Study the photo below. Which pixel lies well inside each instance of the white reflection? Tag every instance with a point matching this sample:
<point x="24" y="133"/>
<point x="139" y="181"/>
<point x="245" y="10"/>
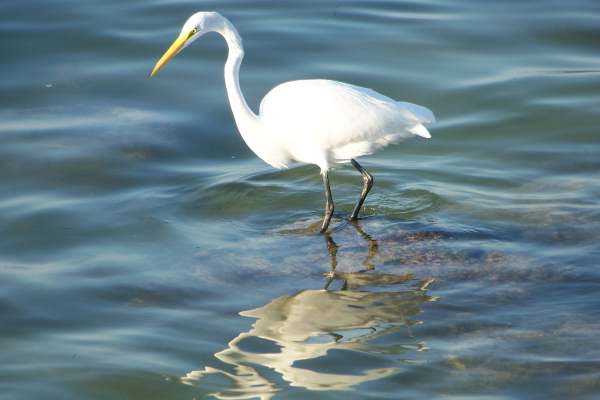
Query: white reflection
<point x="307" y="325"/>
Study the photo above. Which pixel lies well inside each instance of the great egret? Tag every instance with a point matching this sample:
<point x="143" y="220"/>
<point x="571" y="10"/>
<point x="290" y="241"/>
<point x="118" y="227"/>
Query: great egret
<point x="318" y="122"/>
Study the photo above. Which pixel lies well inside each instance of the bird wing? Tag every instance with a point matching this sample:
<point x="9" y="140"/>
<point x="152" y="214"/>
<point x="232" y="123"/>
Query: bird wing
<point x="341" y="119"/>
<point x="423" y="114"/>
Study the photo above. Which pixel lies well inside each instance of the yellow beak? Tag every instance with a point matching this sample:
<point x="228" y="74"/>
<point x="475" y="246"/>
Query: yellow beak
<point x="171" y="52"/>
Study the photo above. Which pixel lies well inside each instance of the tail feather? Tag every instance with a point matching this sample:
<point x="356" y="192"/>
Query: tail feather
<point x="420" y="130"/>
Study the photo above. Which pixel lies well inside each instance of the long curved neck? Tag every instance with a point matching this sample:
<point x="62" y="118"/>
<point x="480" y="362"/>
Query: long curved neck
<point x="245" y="118"/>
<point x="259" y="139"/>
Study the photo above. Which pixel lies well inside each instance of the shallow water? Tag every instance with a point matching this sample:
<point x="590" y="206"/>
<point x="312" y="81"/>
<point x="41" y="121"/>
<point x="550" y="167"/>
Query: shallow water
<point x="146" y="253"/>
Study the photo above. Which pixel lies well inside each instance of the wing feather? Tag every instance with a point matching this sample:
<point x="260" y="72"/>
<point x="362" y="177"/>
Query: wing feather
<point x="321" y="117"/>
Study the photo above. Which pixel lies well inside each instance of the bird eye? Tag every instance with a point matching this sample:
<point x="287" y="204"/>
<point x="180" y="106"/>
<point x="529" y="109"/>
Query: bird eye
<point x="192" y="32"/>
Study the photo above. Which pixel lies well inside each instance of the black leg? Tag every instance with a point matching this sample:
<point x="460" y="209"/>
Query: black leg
<point x="367" y="185"/>
<point x="328" y="203"/>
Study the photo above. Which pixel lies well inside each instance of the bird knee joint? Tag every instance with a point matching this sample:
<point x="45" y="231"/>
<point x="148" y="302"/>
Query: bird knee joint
<point x="368" y="179"/>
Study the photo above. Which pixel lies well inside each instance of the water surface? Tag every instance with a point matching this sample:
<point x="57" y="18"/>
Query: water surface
<point x="147" y="254"/>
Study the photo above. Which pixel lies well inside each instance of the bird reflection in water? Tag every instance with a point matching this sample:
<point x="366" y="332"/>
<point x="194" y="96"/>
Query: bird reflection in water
<point x="307" y="325"/>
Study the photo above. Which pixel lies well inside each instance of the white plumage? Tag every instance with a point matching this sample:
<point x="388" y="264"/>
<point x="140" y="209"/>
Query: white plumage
<point x="319" y="122"/>
<point x="325" y="122"/>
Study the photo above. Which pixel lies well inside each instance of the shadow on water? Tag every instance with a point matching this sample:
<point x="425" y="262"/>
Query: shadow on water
<point x="296" y="335"/>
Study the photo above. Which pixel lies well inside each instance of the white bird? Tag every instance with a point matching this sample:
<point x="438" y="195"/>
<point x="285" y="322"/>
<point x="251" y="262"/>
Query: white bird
<point x="320" y="122"/>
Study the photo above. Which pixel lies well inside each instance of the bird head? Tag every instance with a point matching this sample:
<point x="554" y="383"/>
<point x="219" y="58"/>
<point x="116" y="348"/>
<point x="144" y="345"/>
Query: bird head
<point x="196" y="26"/>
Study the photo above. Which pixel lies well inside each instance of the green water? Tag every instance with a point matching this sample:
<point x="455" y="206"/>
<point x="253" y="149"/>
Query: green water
<point x="146" y="253"/>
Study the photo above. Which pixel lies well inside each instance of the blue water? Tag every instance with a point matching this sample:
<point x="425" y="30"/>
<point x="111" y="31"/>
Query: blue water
<point x="146" y="253"/>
